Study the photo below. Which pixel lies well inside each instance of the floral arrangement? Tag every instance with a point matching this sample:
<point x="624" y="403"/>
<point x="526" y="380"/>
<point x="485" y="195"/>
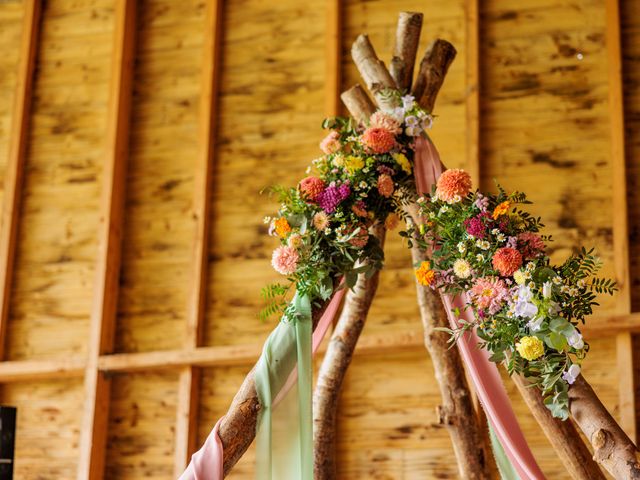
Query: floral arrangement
<point x="527" y="311"/>
<point x="363" y="178"/>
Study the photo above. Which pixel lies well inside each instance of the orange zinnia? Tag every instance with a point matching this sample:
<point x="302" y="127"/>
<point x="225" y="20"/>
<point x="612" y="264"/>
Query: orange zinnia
<point x="425" y="275"/>
<point x="501" y="209"/>
<point x="282" y="227"/>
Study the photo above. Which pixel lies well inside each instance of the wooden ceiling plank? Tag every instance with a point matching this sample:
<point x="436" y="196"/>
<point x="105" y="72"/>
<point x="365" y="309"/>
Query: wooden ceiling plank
<point x="18" y="146"/>
<point x="624" y="342"/>
<point x="189" y="381"/>
<point x="95" y="418"/>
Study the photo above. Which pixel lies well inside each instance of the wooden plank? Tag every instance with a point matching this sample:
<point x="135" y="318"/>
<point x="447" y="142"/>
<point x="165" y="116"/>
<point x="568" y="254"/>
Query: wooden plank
<point x="333" y="55"/>
<point x="472" y="78"/>
<point x="189" y="382"/>
<point x="624" y="341"/>
<point x="94" y="425"/>
<point x="31" y="370"/>
<point x="18" y="139"/>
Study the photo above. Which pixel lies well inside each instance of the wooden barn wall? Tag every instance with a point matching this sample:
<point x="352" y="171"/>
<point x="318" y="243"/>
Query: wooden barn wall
<point x="544" y="127"/>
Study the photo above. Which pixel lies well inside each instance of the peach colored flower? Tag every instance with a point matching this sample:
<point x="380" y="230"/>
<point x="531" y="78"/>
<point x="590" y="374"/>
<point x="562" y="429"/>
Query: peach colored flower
<point x="453" y="185"/>
<point x="310" y="188"/>
<point x="282" y="227"/>
<point x="489" y="294"/>
<point x="385" y="185"/>
<point x="321" y="221"/>
<point x="359" y="208"/>
<point x="386" y="121"/>
<point x="331" y="143"/>
<point x="294" y="241"/>
<point x="378" y="140"/>
<point x="285" y="260"/>
<point x="507" y="260"/>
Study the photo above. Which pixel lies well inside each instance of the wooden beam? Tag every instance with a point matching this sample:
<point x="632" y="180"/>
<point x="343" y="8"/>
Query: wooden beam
<point x="625" y="354"/>
<point x="95" y="417"/>
<point x="333" y="58"/>
<point x="472" y="90"/>
<point x="241" y="355"/>
<point x="18" y="143"/>
<point x="189" y="383"/>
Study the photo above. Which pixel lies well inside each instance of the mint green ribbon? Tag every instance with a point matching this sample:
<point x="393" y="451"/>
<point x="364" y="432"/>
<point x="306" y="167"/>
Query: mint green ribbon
<point x="284" y="442"/>
<point x="507" y="472"/>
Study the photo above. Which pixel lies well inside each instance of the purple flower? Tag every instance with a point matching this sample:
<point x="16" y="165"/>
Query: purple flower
<point x="481" y="203"/>
<point x="332" y="196"/>
<point x="572" y="373"/>
<point x="512" y="242"/>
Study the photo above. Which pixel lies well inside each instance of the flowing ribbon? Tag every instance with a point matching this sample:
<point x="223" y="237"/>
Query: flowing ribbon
<point x="484" y="373"/>
<point x="207" y="463"/>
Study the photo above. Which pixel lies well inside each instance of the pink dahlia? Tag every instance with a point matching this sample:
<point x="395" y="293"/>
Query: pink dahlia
<point x="385" y="185"/>
<point x="331" y="143"/>
<point x="489" y="294"/>
<point x="310" y="188"/>
<point x="531" y="245"/>
<point x="507" y="260"/>
<point x="378" y="140"/>
<point x="285" y="260"/>
<point x="453" y="185"/>
<point x="386" y="121"/>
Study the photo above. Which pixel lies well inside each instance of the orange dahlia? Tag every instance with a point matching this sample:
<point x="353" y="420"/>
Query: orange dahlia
<point x="282" y="227"/>
<point x="507" y="260"/>
<point x="453" y="185"/>
<point x="425" y="275"/>
<point x="378" y="140"/>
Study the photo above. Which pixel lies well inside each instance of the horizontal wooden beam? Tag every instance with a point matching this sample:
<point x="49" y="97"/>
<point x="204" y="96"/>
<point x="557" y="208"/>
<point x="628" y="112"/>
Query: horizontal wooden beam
<point x="238" y="355"/>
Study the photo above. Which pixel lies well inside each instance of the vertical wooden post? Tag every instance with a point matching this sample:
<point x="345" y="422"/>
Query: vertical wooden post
<point x="333" y="58"/>
<point x="18" y="138"/>
<point x="95" y="417"/>
<point x="472" y="83"/>
<point x="624" y="341"/>
<point x="189" y="383"/>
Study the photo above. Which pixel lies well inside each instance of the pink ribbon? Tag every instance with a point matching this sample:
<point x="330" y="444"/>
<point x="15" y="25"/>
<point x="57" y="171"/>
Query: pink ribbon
<point x="207" y="463"/>
<point x="483" y="372"/>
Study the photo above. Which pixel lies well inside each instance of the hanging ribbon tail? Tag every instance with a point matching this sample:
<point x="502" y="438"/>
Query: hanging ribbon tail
<point x="484" y="373"/>
<point x="207" y="463"/>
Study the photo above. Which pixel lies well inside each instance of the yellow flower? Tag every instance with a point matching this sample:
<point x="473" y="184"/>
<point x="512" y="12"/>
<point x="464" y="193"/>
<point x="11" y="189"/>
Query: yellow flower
<point x="282" y="227"/>
<point x="530" y="348"/>
<point x="425" y="275"/>
<point x="402" y="161"/>
<point x="352" y="164"/>
<point x="501" y="209"/>
<point x="519" y="276"/>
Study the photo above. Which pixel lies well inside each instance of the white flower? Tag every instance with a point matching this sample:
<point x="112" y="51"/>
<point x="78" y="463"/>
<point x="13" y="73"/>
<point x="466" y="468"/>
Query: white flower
<point x="480" y="257"/>
<point x="483" y="244"/>
<point x="495" y="231"/>
<point x="535" y="324"/>
<point x="571" y="374"/>
<point x="557" y="280"/>
<point x="531" y="266"/>
<point x="524" y="307"/>
<point x="500" y="237"/>
<point x="462" y="247"/>
<point x="444" y="209"/>
<point x="546" y="289"/>
<point x="412" y="131"/>
<point x="411" y="121"/>
<point x="266" y="220"/>
<point x="408" y="101"/>
<point x="461" y="268"/>
<point x="575" y="340"/>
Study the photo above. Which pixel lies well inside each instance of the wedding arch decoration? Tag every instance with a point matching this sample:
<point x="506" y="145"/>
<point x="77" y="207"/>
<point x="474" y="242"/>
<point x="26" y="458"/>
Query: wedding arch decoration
<point x="483" y="281"/>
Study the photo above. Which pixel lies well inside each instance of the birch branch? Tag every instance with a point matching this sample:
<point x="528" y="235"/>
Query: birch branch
<point x="405" y="49"/>
<point x="334" y="368"/>
<point x="612" y="448"/>
<point x="358" y="103"/>
<point x="373" y="71"/>
<point x="563" y="436"/>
